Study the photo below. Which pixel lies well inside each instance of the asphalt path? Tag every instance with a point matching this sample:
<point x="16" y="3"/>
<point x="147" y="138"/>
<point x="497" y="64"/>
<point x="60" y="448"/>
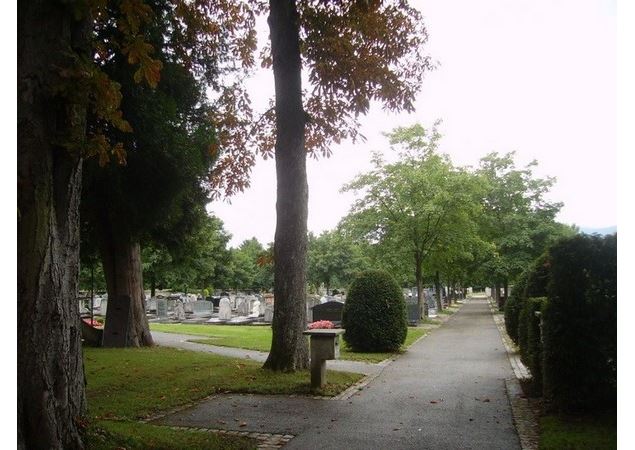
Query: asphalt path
<point x="446" y="392"/>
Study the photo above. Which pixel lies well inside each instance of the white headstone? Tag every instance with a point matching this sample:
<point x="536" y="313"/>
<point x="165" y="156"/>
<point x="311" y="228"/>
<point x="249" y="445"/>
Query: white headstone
<point x="261" y="307"/>
<point x="179" y="311"/>
<point x="255" y="308"/>
<point x="224" y="309"/>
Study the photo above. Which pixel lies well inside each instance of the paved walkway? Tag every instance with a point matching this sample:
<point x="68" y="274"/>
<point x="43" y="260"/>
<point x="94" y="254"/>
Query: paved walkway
<point x="446" y="392"/>
<point x="181" y="341"/>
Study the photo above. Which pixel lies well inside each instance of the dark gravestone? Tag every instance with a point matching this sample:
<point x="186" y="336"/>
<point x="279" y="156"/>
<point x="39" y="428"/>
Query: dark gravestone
<point x="117" y="320"/>
<point x="413" y="314"/>
<point x="162" y="307"/>
<point x="329" y="311"/>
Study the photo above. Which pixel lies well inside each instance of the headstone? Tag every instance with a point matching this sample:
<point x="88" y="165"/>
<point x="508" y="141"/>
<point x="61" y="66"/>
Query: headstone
<point x="103" y="307"/>
<point x="202" y="308"/>
<point x="224" y="309"/>
<point x="255" y="308"/>
<point x="268" y="314"/>
<point x="242" y="306"/>
<point x="117" y="320"/>
<point x="414" y="314"/>
<point x="261" y="307"/>
<point x="151" y="305"/>
<point x="162" y="307"/>
<point x="331" y="311"/>
<point x="179" y="311"/>
<point x="188" y="307"/>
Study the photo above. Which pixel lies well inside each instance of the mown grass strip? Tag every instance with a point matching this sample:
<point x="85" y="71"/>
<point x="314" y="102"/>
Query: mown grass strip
<point x="259" y="338"/>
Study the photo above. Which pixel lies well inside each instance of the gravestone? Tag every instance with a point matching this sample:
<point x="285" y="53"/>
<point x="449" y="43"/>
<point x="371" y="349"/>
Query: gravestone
<point x="103" y="307"/>
<point x="261" y="307"/>
<point x="117" y="321"/>
<point x="224" y="309"/>
<point x="331" y="311"/>
<point x="255" y="308"/>
<point x="202" y="307"/>
<point x="242" y="306"/>
<point x="413" y="314"/>
<point x="179" y="311"/>
<point x="268" y="314"/>
<point x="151" y="305"/>
<point x="162" y="307"/>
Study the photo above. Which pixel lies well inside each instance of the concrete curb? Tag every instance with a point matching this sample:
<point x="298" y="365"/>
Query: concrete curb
<point x="524" y="417"/>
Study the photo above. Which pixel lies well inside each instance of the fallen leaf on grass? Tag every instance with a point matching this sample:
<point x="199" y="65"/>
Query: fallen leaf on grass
<point x="243" y="424"/>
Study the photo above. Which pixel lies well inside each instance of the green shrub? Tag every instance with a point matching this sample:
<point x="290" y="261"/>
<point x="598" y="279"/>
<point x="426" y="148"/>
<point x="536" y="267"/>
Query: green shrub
<point x="531" y="283"/>
<point x="579" y="324"/>
<point x="374" y="314"/>
<point x="513" y="305"/>
<point x="538" y="277"/>
<point x="531" y="349"/>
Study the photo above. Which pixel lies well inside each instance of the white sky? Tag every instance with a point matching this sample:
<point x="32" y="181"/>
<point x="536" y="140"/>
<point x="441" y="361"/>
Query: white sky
<point x="537" y="77"/>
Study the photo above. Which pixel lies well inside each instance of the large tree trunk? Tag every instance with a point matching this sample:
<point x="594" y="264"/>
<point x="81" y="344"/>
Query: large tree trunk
<point x="437" y="287"/>
<point x="421" y="303"/>
<point x="289" y="348"/>
<point x="51" y="398"/>
<point x="121" y="258"/>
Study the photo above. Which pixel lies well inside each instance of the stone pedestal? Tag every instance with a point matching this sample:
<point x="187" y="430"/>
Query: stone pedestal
<point x="325" y="345"/>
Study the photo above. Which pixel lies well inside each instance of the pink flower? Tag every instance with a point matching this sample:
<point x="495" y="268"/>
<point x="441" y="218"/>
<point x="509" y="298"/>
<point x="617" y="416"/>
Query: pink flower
<point x="321" y="324"/>
<point x="94" y="323"/>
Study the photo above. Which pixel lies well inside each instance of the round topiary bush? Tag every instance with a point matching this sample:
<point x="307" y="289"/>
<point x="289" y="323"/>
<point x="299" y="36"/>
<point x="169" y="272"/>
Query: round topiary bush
<point x="374" y="315"/>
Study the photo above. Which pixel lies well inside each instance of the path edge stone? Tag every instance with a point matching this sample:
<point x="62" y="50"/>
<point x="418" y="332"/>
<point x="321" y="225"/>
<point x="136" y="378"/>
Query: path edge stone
<point x="524" y="418"/>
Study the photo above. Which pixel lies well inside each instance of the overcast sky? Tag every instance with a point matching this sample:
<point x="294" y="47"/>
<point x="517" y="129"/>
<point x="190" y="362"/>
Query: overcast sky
<point x="535" y="77"/>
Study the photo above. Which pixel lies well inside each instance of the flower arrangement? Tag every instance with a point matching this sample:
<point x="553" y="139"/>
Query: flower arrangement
<point x="95" y="323"/>
<point x="321" y="324"/>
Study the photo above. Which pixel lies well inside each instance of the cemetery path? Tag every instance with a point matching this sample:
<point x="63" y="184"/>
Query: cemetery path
<point x="181" y="341"/>
<point x="446" y="392"/>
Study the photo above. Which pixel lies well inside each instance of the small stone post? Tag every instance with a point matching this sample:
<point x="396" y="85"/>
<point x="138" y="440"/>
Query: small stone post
<point x="325" y="345"/>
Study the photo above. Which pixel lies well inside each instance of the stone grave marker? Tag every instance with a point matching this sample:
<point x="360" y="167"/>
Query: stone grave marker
<point x="331" y="311"/>
<point x="162" y="307"/>
<point x="179" y="311"/>
<point x="203" y="307"/>
<point x="268" y="313"/>
<point x="103" y="307"/>
<point x="224" y="309"/>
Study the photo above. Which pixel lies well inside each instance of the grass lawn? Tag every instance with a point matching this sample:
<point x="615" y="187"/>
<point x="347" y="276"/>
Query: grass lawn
<point x="124" y="385"/>
<point x="578" y="433"/>
<point x="259" y="338"/>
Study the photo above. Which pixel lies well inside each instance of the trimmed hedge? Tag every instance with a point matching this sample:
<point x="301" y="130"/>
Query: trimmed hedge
<point x="531" y="350"/>
<point x="531" y="283"/>
<point x="374" y="315"/>
<point x="580" y="324"/>
<point x="514" y="304"/>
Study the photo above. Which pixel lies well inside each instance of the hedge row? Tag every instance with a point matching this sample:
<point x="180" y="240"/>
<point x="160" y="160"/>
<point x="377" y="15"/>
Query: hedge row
<point x="573" y="357"/>
<point x="580" y="324"/>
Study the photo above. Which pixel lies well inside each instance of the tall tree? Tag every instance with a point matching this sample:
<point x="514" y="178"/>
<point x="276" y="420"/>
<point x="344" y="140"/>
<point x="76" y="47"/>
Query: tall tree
<point x="417" y="205"/>
<point x="333" y="258"/>
<point x="160" y="192"/>
<point x="50" y="371"/>
<point x="519" y="221"/>
<point x="58" y="84"/>
<point x="355" y="53"/>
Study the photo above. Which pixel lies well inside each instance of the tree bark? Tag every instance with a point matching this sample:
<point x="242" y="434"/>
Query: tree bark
<point x="50" y="397"/>
<point x="421" y="303"/>
<point x="289" y="348"/>
<point x="437" y="287"/>
<point x="121" y="259"/>
<point x="153" y="284"/>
